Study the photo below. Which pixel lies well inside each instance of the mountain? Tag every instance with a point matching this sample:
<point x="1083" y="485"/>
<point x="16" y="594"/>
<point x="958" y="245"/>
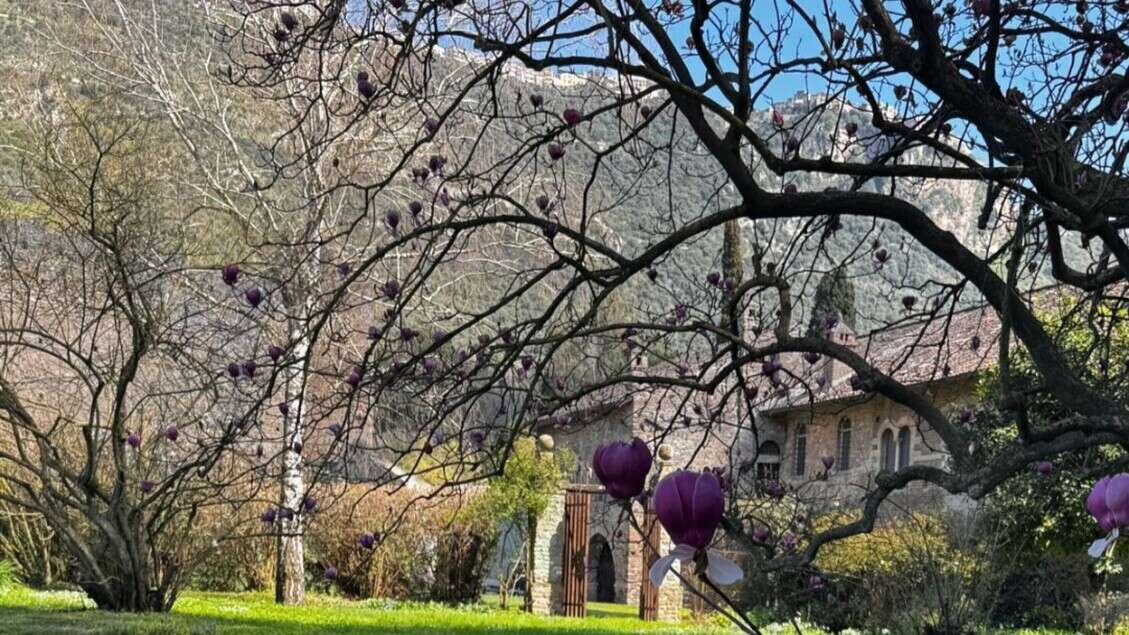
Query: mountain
<point x="662" y="179"/>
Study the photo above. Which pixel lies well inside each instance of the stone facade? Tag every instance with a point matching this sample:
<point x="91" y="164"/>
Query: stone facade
<point x="548" y="559"/>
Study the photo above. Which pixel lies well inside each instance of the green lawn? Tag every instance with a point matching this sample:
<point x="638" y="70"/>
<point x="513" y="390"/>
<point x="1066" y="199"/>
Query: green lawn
<point x="26" y="612"/>
<point x="38" y="613"/>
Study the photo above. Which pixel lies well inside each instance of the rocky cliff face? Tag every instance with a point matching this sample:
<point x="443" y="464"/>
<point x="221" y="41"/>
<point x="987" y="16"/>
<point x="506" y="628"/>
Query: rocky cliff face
<point x="663" y="179"/>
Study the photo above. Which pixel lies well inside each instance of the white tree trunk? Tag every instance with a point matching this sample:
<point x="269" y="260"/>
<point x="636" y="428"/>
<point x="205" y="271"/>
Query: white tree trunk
<point x="290" y="570"/>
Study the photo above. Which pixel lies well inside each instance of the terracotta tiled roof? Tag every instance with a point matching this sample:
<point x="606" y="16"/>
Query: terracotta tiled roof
<point x="946" y="346"/>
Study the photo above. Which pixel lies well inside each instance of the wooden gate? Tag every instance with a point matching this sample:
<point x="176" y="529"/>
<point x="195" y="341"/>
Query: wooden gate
<point x="652" y="542"/>
<point x="577" y="506"/>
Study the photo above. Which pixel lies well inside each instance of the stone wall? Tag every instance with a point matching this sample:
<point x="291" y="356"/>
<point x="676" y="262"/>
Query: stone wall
<point x="869" y="420"/>
<point x="548" y="559"/>
<point x="548" y="563"/>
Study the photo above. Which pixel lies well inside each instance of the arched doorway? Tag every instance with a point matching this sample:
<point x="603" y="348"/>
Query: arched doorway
<point x="602" y="567"/>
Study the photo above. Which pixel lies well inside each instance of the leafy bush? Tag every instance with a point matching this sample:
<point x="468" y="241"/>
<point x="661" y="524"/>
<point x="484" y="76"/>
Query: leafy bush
<point x="1043" y="592"/>
<point x="917" y="573"/>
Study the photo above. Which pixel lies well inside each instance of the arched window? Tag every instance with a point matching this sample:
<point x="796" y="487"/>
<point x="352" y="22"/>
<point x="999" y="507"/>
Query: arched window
<point x="801" y="457"/>
<point x="768" y="461"/>
<point x="887" y="455"/>
<point x="844" y="458"/>
<point x="903" y="446"/>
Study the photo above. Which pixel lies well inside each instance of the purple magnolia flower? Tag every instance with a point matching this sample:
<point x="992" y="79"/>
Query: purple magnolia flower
<point x="335" y="430"/>
<point x="415" y="207"/>
<point x="429" y="365"/>
<point x="309" y="504"/>
<point x="286" y="514"/>
<point x="760" y="534"/>
<point x="526" y="362"/>
<point x="391" y="288"/>
<point x="392" y="219"/>
<point x="436" y="163"/>
<point x="367" y="541"/>
<point x="1108" y="503"/>
<point x="856" y="382"/>
<point x="230" y="275"/>
<point x="431" y="124"/>
<point x="542" y="202"/>
<point x="268" y="516"/>
<point x="653" y="274"/>
<point x="134" y="440"/>
<point x="622" y="468"/>
<point x="536" y="100"/>
<point x="881" y="256"/>
<point x="967" y="415"/>
<point x="908" y="302"/>
<point x="344" y="269"/>
<point x="331" y="573"/>
<point x="478" y="438"/>
<point x="713" y="278"/>
<point x="1044" y="467"/>
<point x="365" y="87"/>
<point x="275" y="352"/>
<point x="284" y="408"/>
<point x="374" y="332"/>
<point x="974" y="343"/>
<point x="556" y="151"/>
<point x="811" y="357"/>
<point x="788" y="541"/>
<point x="354" y="378"/>
<point x="296" y="447"/>
<point x="254" y="297"/>
<point x="572" y="116"/>
<point x="690" y="506"/>
<point x="147" y="486"/>
<point x="550" y="230"/>
<point x="234" y="370"/>
<point x="828" y="462"/>
<point x="171" y="433"/>
<point x="249" y="368"/>
<point x="564" y="419"/>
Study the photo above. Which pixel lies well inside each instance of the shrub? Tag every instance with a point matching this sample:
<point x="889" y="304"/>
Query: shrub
<point x="915" y="573"/>
<point x="28" y="543"/>
<point x="1104" y="612"/>
<point x="1043" y="592"/>
<point x="7" y="575"/>
<point x="431" y="552"/>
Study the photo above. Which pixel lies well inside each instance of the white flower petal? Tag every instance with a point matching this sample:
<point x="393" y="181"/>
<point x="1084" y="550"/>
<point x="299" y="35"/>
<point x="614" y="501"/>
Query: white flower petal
<point x="684" y="553"/>
<point x="1097" y="548"/>
<point x="722" y="570"/>
<point x="660" y="569"/>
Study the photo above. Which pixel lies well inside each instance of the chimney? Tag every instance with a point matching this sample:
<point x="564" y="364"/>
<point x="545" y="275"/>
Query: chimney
<point x="834" y="370"/>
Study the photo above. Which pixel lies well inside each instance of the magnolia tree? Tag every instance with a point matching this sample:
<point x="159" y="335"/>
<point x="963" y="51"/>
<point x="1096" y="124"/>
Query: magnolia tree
<point x="116" y="424"/>
<point x="273" y="218"/>
<point x="654" y="157"/>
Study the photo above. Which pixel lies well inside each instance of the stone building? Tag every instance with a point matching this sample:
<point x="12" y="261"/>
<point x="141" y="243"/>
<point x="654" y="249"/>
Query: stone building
<point x="816" y="413"/>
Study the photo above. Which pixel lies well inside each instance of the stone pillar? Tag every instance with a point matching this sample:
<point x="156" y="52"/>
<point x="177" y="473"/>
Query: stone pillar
<point x="670" y="593"/>
<point x="548" y="555"/>
<point x="635" y="558"/>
